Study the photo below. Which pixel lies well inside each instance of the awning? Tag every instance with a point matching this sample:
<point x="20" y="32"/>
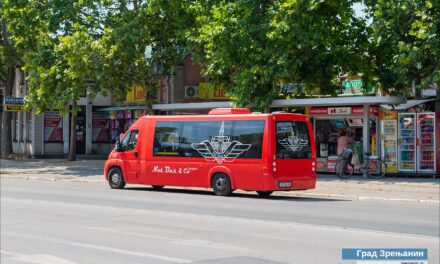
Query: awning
<point x="339" y="101"/>
<point x="328" y="101"/>
<point x="408" y="104"/>
<point x="192" y="106"/>
<point x="167" y="107"/>
<point x="118" y="108"/>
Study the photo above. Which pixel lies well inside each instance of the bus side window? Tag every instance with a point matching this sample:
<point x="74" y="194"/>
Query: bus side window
<point x="166" y="139"/>
<point x="130" y="140"/>
<point x="133" y="139"/>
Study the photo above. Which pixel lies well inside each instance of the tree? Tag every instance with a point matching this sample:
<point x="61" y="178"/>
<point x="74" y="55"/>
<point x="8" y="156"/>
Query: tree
<point x="57" y="40"/>
<point x="251" y="46"/>
<point x="405" y="43"/>
<point x="139" y="36"/>
<point x="9" y="61"/>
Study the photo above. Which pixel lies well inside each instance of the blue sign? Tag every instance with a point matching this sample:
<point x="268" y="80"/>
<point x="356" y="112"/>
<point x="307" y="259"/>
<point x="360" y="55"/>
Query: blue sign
<point x="14" y="100"/>
<point x="385" y="254"/>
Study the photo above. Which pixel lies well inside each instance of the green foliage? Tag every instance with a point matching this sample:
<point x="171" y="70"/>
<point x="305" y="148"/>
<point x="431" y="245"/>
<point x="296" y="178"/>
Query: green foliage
<point x="254" y="45"/>
<point x="405" y="43"/>
<point x="57" y="40"/>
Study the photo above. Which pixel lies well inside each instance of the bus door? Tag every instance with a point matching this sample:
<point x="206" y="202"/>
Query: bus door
<point x="130" y="154"/>
<point x="293" y="153"/>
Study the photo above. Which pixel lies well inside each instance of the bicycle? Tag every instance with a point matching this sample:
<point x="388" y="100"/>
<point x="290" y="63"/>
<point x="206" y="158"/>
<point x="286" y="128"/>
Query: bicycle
<point x="374" y="168"/>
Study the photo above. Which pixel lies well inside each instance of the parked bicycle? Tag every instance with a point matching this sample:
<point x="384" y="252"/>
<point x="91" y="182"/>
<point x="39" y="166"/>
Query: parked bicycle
<point x="374" y="168"/>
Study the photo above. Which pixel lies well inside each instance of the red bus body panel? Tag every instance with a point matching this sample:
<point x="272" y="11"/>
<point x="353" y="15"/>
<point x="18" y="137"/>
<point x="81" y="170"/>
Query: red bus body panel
<point x="245" y="173"/>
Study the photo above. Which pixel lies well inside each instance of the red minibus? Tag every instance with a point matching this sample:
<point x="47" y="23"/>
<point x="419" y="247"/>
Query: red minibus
<point x="229" y="149"/>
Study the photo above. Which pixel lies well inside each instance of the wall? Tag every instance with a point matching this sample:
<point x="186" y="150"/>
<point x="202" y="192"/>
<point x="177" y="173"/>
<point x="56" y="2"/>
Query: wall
<point x="102" y="148"/>
<point x="53" y="150"/>
<point x="177" y="84"/>
<point x="191" y="71"/>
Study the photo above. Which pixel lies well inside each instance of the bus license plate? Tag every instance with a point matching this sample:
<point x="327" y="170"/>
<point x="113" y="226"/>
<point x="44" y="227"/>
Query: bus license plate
<point x="284" y="184"/>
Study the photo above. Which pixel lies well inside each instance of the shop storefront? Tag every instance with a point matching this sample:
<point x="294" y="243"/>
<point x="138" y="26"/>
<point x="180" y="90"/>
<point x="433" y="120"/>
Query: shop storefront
<point x="356" y="116"/>
<point x="330" y="123"/>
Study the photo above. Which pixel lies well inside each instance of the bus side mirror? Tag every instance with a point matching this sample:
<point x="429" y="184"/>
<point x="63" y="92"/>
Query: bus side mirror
<point x="118" y="146"/>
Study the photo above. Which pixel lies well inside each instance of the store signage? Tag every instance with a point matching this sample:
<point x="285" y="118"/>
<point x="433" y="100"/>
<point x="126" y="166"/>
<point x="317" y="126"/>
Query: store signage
<point x="291" y="88"/>
<point x="339" y="110"/>
<point x="53" y="127"/>
<point x="359" y="110"/>
<point x="14" y="104"/>
<point x="430" y="91"/>
<point x="100" y="127"/>
<point x="352" y="87"/>
<point x="211" y="91"/>
<point x="388" y="115"/>
<point x="136" y="95"/>
<point x="355" y="110"/>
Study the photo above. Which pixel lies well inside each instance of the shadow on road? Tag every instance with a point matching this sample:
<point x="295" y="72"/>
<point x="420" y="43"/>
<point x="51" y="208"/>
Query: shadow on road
<point x="250" y="195"/>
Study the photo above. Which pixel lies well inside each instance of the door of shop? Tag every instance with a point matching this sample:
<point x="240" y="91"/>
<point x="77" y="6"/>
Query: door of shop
<point x="80" y="130"/>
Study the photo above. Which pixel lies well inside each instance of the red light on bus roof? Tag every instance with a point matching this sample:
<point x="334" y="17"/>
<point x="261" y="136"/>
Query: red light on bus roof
<point x="229" y="111"/>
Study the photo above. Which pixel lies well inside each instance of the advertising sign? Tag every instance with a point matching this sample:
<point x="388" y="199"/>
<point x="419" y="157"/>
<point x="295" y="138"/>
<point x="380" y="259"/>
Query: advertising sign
<point x="136" y="95"/>
<point x="339" y="110"/>
<point x="352" y="87"/>
<point x="53" y="127"/>
<point x="14" y="104"/>
<point x="100" y="128"/>
<point x="430" y="91"/>
<point x="209" y="91"/>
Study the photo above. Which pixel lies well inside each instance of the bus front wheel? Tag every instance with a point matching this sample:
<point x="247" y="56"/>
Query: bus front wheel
<point x="115" y="178"/>
<point x="221" y="184"/>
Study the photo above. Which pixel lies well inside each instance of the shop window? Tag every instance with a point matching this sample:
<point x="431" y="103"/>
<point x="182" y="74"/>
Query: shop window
<point x="292" y="140"/>
<point x="130" y="140"/>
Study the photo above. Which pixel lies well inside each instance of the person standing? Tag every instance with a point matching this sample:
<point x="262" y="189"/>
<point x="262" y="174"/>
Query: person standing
<point x="343" y="142"/>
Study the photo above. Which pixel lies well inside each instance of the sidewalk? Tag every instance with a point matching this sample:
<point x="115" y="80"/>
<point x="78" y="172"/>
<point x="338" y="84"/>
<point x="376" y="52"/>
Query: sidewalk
<point x="392" y="189"/>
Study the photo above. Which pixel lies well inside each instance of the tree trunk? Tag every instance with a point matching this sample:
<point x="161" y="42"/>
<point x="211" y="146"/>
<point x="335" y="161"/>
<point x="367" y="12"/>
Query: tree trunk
<point x="6" y="136"/>
<point x="72" y="146"/>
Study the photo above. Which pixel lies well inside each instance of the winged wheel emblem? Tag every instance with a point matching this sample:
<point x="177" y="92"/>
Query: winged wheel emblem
<point x="220" y="148"/>
<point x="293" y="143"/>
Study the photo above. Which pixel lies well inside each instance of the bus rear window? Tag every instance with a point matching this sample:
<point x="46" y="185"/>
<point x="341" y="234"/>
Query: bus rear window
<point x="292" y="140"/>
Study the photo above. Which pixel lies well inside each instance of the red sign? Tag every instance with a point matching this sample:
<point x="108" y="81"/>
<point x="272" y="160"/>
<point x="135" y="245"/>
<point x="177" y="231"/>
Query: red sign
<point x="355" y="110"/>
<point x="100" y="128"/>
<point x="359" y="110"/>
<point x="318" y="111"/>
<point x="53" y="127"/>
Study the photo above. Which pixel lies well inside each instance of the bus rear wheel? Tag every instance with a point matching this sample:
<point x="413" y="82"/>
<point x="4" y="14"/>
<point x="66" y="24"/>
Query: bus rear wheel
<point x="221" y="184"/>
<point x="115" y="178"/>
<point x="264" y="193"/>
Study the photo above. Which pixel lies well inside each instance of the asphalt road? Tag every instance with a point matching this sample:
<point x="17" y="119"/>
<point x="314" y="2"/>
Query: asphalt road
<point x="65" y="223"/>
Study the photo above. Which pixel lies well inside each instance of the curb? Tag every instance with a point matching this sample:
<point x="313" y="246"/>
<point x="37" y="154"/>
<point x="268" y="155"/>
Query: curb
<point x="34" y="178"/>
<point x="280" y="193"/>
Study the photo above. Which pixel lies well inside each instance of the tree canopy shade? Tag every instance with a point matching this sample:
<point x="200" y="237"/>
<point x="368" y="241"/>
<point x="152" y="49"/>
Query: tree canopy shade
<point x="405" y="42"/>
<point x="156" y="26"/>
<point x="251" y="46"/>
<point x="99" y="46"/>
<point x="58" y="41"/>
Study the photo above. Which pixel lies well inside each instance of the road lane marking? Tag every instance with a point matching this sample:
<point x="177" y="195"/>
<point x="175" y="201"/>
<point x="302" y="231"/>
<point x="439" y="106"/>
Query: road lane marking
<point x="180" y="241"/>
<point x="37" y="258"/>
<point x="135" y="212"/>
<point x="97" y="247"/>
